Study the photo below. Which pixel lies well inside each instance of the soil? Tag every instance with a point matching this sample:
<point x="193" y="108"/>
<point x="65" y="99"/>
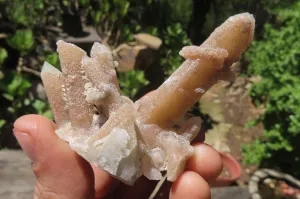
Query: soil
<point x="225" y="173"/>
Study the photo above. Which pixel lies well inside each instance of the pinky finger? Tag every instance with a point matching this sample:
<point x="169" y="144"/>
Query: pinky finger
<point x="190" y="185"/>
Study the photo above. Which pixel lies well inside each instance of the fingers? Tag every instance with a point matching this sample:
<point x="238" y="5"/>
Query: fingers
<point x="59" y="171"/>
<point x="206" y="162"/>
<point x="190" y="185"/>
<point x="103" y="182"/>
<point x="205" y="166"/>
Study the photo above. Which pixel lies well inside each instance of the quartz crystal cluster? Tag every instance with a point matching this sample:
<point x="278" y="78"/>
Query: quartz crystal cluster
<point x="129" y="139"/>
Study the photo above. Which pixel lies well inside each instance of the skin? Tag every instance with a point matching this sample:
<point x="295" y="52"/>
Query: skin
<point x="61" y="173"/>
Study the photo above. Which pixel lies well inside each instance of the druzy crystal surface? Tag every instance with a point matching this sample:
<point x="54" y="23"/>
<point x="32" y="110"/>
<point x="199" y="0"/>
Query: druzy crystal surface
<point x="129" y="139"/>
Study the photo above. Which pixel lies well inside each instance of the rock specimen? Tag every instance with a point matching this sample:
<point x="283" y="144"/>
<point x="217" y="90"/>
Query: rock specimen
<point x="148" y="40"/>
<point x="129" y="139"/>
<point x="140" y="54"/>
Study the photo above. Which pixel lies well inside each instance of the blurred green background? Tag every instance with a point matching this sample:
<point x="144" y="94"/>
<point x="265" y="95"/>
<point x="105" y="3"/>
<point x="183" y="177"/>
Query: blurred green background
<point x="29" y="30"/>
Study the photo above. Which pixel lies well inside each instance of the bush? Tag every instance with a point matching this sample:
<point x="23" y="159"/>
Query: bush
<point x="30" y="28"/>
<point x="276" y="58"/>
<point x="23" y="49"/>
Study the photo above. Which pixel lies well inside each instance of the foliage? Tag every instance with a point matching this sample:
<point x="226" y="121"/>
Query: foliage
<point x="132" y="17"/>
<point x="131" y="82"/>
<point x="3" y="55"/>
<point x="52" y="58"/>
<point x="30" y="28"/>
<point x="26" y="13"/>
<point x="175" y="39"/>
<point x="14" y="88"/>
<point x="23" y="28"/>
<point x="276" y="58"/>
<point x="22" y="40"/>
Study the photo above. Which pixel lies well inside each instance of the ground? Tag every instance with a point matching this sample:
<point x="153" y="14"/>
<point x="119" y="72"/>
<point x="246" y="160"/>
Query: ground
<point x="17" y="179"/>
<point x="230" y="107"/>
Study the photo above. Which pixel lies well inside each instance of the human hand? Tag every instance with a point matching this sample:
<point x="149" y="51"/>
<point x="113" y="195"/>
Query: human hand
<point x="61" y="173"/>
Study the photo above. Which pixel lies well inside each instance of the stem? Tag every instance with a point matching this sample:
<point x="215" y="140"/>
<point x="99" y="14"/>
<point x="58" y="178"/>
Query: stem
<point x="157" y="187"/>
<point x="29" y="70"/>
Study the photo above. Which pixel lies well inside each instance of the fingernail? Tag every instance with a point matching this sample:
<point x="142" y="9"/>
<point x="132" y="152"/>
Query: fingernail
<point x="27" y="144"/>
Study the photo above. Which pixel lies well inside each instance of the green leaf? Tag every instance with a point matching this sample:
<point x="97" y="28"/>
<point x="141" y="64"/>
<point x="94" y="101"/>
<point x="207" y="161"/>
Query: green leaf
<point x="84" y="3"/>
<point x="48" y="114"/>
<point x="131" y="82"/>
<point x="96" y="16"/>
<point x="18" y="13"/>
<point x="106" y="6"/>
<point x="24" y="87"/>
<point x="8" y="96"/>
<point x="18" y="85"/>
<point x="26" y="12"/>
<point x="39" y="106"/>
<point x="53" y="59"/>
<point x="254" y="153"/>
<point x="14" y="85"/>
<point x="252" y="123"/>
<point x="1" y="76"/>
<point x="3" y="55"/>
<point x="22" y="40"/>
<point x="2" y="123"/>
<point x="11" y="110"/>
<point x="124" y="10"/>
<point x="26" y="101"/>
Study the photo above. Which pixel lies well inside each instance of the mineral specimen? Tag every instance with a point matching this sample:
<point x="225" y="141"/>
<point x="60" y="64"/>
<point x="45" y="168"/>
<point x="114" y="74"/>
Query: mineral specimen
<point x="129" y="139"/>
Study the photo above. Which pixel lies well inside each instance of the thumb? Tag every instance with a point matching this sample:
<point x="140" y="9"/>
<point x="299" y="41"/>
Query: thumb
<point x="60" y="172"/>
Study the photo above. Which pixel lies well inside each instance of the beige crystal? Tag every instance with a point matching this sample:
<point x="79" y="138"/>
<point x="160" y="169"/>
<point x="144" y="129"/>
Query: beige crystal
<point x="129" y="139"/>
